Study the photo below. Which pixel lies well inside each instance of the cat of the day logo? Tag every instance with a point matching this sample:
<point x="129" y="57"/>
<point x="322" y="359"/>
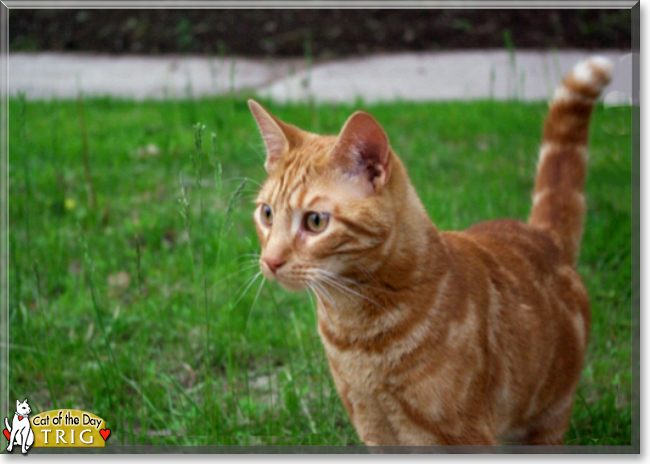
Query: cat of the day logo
<point x="59" y="428"/>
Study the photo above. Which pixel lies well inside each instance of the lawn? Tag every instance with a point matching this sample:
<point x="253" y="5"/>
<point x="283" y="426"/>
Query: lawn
<point x="132" y="250"/>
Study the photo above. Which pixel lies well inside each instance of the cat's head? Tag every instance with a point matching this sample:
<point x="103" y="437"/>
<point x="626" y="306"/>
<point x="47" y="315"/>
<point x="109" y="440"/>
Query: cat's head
<point x="325" y="211"/>
<point x="23" y="408"/>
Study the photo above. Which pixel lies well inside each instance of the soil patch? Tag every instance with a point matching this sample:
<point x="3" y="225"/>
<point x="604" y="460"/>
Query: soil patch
<point x="314" y="33"/>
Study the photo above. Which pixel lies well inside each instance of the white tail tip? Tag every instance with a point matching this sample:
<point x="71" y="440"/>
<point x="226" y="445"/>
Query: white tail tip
<point x="595" y="71"/>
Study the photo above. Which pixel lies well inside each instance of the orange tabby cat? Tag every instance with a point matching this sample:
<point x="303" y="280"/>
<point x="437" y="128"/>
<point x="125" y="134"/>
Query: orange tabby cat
<point x="435" y="338"/>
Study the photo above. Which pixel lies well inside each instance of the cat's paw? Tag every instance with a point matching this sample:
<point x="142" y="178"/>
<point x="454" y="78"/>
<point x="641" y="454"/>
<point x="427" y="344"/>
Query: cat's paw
<point x="374" y="447"/>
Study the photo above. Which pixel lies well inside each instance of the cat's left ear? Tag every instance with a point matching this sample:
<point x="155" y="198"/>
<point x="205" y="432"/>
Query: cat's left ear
<point x="279" y="137"/>
<point x="362" y="148"/>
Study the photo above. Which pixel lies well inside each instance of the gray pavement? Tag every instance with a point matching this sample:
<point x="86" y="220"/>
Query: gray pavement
<point x="466" y="75"/>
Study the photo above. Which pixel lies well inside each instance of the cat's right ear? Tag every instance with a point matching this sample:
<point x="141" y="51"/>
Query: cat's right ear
<point x="362" y="148"/>
<point x="17" y="403"/>
<point x="279" y="137"/>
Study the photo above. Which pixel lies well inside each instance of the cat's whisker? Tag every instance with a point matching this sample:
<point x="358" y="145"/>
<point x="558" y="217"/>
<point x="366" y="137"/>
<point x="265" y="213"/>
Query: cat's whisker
<point x="365" y="272"/>
<point x="234" y="274"/>
<point x="250" y="282"/>
<point x="311" y="299"/>
<point x="371" y="284"/>
<point x="250" y="258"/>
<point x="343" y="279"/>
<point x="332" y="281"/>
<point x="251" y="262"/>
<point x="257" y="295"/>
<point x="325" y="278"/>
<point x="360" y="285"/>
<point x="326" y="294"/>
<point x="327" y="316"/>
<point x="247" y="281"/>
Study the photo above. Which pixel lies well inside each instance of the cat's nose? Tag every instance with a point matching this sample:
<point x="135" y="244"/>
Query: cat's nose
<point x="274" y="263"/>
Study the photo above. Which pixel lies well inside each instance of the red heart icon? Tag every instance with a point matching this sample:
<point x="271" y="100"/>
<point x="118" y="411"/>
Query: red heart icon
<point x="7" y="434"/>
<point x="105" y="433"/>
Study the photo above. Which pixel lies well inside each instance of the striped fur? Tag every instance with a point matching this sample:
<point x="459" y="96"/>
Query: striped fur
<point x="435" y="338"/>
<point x="559" y="203"/>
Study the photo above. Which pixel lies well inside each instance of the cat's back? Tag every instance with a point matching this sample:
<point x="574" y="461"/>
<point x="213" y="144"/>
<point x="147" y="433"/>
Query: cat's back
<point x="518" y="261"/>
<point x="507" y="244"/>
<point x="511" y="237"/>
<point x="537" y="303"/>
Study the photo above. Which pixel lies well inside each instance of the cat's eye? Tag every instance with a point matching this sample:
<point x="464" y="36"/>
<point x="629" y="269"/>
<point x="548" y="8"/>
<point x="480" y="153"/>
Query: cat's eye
<point x="266" y="215"/>
<point x="316" y="222"/>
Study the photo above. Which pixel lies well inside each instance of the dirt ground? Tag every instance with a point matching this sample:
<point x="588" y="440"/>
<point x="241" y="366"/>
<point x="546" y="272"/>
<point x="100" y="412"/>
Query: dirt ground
<point x="320" y="34"/>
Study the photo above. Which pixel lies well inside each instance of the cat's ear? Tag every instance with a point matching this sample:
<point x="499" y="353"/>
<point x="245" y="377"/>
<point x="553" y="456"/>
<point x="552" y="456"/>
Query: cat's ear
<point x="278" y="136"/>
<point x="17" y="403"/>
<point x="362" y="148"/>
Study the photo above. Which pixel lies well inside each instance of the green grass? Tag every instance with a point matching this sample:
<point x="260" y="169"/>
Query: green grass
<point x="131" y="309"/>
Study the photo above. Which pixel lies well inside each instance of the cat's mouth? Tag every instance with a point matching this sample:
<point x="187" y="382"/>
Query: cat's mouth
<point x="285" y="277"/>
<point x="292" y="285"/>
<point x="288" y="282"/>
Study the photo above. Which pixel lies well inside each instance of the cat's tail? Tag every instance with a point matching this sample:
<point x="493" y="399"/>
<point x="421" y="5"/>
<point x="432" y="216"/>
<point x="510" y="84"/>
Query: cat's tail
<point x="558" y="202"/>
<point x="7" y="425"/>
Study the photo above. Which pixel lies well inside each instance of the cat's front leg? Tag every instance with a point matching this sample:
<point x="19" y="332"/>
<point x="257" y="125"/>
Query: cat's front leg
<point x="12" y="439"/>
<point x="30" y="438"/>
<point x="417" y="426"/>
<point x="369" y="419"/>
<point x="23" y="443"/>
<point x="22" y="439"/>
<point x="371" y="422"/>
<point x="366" y="415"/>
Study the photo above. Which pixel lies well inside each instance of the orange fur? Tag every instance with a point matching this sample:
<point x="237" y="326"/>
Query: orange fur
<point x="435" y="338"/>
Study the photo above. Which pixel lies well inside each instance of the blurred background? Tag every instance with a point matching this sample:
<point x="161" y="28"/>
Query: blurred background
<point x="326" y="33"/>
<point x="324" y="55"/>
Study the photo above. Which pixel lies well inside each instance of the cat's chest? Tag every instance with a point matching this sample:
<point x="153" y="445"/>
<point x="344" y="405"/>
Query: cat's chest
<point x="20" y="423"/>
<point x="360" y="368"/>
<point x="371" y="357"/>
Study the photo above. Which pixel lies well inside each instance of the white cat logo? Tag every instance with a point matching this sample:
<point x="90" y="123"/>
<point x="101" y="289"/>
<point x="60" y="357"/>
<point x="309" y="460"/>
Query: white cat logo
<point x="21" y="429"/>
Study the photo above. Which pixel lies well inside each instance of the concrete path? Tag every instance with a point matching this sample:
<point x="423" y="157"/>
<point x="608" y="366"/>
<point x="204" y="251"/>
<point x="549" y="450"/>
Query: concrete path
<point x="411" y="77"/>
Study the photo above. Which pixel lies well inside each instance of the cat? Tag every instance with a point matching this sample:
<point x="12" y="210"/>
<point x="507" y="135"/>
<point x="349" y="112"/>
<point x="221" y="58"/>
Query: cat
<point x="435" y="338"/>
<point x="20" y="429"/>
